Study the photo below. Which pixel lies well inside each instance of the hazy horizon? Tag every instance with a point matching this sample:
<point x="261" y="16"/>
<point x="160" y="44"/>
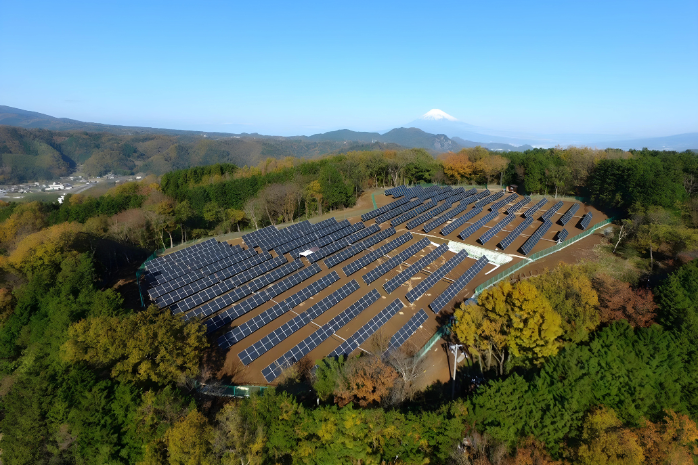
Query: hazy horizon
<point x="626" y="69"/>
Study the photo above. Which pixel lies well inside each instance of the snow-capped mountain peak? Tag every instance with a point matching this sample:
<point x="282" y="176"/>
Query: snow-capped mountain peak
<point x="436" y="114"/>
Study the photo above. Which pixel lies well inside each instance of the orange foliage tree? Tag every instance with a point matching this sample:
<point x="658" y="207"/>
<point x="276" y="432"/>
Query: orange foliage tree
<point x="618" y="301"/>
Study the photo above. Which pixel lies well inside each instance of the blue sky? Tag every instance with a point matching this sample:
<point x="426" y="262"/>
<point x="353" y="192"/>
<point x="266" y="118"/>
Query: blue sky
<point x="627" y="68"/>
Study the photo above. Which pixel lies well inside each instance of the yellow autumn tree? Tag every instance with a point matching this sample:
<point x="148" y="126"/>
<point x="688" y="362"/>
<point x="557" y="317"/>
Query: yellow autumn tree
<point x="189" y="441"/>
<point x="457" y="166"/>
<point x="572" y="295"/>
<point x="509" y="320"/>
<point x="44" y="249"/>
<point x="24" y="220"/>
<point x="151" y="345"/>
<point x="606" y="442"/>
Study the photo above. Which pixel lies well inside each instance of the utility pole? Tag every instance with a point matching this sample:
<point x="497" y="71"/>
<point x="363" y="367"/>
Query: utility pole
<point x="454" y="350"/>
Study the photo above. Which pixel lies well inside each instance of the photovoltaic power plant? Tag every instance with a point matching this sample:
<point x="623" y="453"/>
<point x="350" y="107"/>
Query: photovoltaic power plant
<point x="536" y="237"/>
<point x="436" y="276"/>
<point x="584" y="222"/>
<point x="281" y="285"/>
<point x="454" y="289"/>
<point x="569" y="214"/>
<point x="512" y="236"/>
<point x="531" y="211"/>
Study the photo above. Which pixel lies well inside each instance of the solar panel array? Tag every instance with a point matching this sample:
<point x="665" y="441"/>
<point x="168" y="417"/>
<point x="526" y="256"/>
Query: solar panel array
<point x="223" y="318"/>
<point x="268" y="342"/>
<point x="238" y="333"/>
<point x="397" y="211"/>
<point x="339" y="242"/>
<point x="460" y="221"/>
<point x="569" y="214"/>
<point x="535" y="237"/>
<point x="518" y="205"/>
<point x="274" y="369"/>
<point x="167" y="270"/>
<point x="584" y="222"/>
<point x="561" y="235"/>
<point x="310" y="239"/>
<point x="489" y="199"/>
<point x="452" y="291"/>
<point x="412" y="213"/>
<point x="429" y="215"/>
<point x="415" y="268"/>
<point x="535" y="208"/>
<point x="382" y="269"/>
<point x="470" y="230"/>
<point x="379" y="211"/>
<point x="407" y="330"/>
<point x="359" y="247"/>
<point x="436" y="276"/>
<point x="439" y="220"/>
<point x="490" y="233"/>
<point x="511" y="237"/>
<point x="367" y="330"/>
<point x="549" y="214"/>
<point x="374" y="255"/>
<point x="501" y="203"/>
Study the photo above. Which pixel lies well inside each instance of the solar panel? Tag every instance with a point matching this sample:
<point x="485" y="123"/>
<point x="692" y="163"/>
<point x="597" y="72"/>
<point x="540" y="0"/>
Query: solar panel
<point x="374" y="255"/>
<point x="518" y="205"/>
<point x="397" y="211"/>
<point x="439" y="220"/>
<point x="454" y="289"/>
<point x="407" y="330"/>
<point x="316" y="238"/>
<point x="531" y="211"/>
<point x="374" y="213"/>
<point x="273" y="370"/>
<point x="489" y="199"/>
<point x="533" y="240"/>
<point x="490" y="233"/>
<point x="549" y="214"/>
<point x="238" y="333"/>
<point x="367" y="330"/>
<point x="235" y="311"/>
<point x="412" y="213"/>
<point x="503" y="202"/>
<point x="569" y="214"/>
<point x="359" y="247"/>
<point x="436" y="276"/>
<point x="561" y="235"/>
<point x="429" y="215"/>
<point x="460" y="221"/>
<point x="470" y="230"/>
<point x="584" y="222"/>
<point x="382" y="269"/>
<point x="268" y="342"/>
<point x="506" y="242"/>
<point x="415" y="268"/>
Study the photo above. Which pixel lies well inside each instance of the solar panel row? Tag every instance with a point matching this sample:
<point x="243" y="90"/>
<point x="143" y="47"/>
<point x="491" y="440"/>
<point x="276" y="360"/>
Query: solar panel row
<point x="460" y="221"/>
<point x="186" y="264"/>
<point x="398" y="211"/>
<point x="490" y="233"/>
<point x="472" y="229"/>
<point x="531" y="211"/>
<point x="382" y="269"/>
<point x="412" y="213"/>
<point x="268" y="342"/>
<point x="439" y="220"/>
<point x="379" y="211"/>
<point x="561" y="235"/>
<point x="309" y="239"/>
<point x="454" y="289"/>
<point x="367" y="330"/>
<point x="191" y="251"/>
<point x="345" y="230"/>
<point x="273" y="370"/>
<point x="584" y="222"/>
<point x="359" y="247"/>
<point x="436" y="276"/>
<point x="518" y="205"/>
<point x="415" y="268"/>
<point x="407" y="330"/>
<point x="520" y="228"/>
<point x="569" y="214"/>
<point x="535" y="237"/>
<point x="239" y="333"/>
<point x="374" y="255"/>
<point x="430" y="214"/>
<point x="489" y="199"/>
<point x="549" y="214"/>
<point x="503" y="202"/>
<point x="223" y="318"/>
<point x="339" y="244"/>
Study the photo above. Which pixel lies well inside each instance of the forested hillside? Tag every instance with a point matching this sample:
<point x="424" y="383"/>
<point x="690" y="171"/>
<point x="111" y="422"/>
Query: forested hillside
<point x="588" y="363"/>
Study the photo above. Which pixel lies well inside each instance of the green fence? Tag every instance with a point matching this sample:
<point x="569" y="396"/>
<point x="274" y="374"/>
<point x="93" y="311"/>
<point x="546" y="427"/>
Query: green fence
<point x="538" y="255"/>
<point x="222" y="390"/>
<point x="444" y="330"/>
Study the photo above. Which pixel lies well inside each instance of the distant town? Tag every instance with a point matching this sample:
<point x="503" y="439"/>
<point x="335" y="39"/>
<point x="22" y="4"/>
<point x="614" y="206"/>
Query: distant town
<point x="68" y="184"/>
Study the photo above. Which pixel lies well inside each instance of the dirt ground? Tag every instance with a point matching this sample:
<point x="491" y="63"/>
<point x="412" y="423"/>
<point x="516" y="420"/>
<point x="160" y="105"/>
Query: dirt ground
<point x="437" y="364"/>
